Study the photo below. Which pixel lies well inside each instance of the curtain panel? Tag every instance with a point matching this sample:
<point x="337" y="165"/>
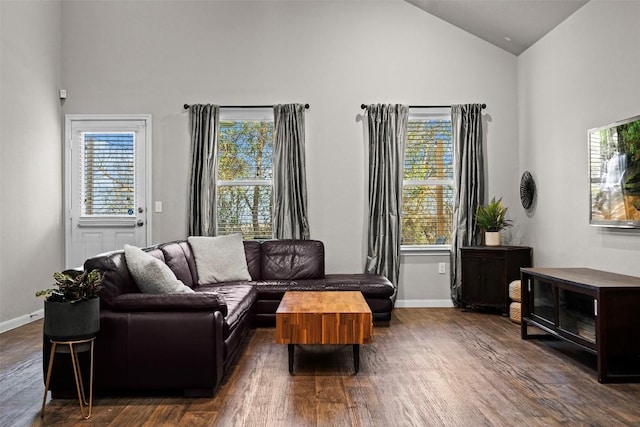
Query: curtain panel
<point x="290" y="218"/>
<point x="205" y="123"/>
<point x="387" y="128"/>
<point x="468" y="169"/>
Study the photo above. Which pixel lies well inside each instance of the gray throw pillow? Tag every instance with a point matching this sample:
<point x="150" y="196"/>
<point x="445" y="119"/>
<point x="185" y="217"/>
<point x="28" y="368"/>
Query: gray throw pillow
<point x="152" y="275"/>
<point x="220" y="259"/>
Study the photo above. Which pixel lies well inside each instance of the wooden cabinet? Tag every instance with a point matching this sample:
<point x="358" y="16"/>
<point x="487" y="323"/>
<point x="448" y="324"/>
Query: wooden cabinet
<point x="487" y="272"/>
<point x="596" y="310"/>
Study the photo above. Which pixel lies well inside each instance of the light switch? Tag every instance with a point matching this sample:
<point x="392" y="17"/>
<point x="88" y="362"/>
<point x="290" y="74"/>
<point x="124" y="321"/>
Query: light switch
<point x="158" y="207"/>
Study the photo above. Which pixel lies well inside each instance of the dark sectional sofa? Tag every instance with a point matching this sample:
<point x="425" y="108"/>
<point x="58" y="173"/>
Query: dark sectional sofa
<point x="188" y="342"/>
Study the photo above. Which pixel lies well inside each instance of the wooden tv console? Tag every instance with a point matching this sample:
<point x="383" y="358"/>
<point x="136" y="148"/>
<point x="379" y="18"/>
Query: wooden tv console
<point x="596" y="310"/>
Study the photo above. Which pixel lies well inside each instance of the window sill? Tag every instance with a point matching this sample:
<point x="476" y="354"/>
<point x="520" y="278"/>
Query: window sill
<point x="429" y="250"/>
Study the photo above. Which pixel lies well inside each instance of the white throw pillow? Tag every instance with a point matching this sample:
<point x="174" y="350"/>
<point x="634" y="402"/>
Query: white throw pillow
<point x="152" y="275"/>
<point x="220" y="259"/>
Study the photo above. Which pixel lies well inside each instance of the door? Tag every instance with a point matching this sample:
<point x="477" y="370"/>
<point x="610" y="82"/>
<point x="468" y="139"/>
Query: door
<point x="107" y="172"/>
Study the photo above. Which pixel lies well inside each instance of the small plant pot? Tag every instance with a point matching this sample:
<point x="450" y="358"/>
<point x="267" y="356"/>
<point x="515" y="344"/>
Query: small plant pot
<point x="492" y="238"/>
<point x="66" y="321"/>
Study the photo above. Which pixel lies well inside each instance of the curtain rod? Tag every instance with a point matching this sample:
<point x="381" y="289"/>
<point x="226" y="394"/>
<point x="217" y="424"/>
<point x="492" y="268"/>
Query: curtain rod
<point x="364" y="107"/>
<point x="186" y="106"/>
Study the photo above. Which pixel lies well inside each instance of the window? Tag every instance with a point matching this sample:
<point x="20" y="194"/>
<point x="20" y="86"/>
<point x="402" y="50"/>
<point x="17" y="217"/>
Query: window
<point x="427" y="192"/>
<point x="245" y="172"/>
<point x="108" y="173"/>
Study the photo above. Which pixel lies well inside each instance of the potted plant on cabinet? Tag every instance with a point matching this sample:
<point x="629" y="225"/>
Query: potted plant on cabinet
<point x="492" y="218"/>
<point x="72" y="309"/>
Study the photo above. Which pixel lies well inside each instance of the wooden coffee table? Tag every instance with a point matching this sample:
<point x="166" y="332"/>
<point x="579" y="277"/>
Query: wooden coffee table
<point x="324" y="317"/>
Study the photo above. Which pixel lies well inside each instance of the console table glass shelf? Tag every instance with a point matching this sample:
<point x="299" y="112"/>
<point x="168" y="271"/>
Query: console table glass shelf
<point x="596" y="310"/>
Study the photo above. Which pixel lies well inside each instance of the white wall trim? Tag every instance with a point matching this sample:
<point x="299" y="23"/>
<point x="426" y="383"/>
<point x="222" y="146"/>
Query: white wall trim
<point x="419" y="303"/>
<point x="7" y="325"/>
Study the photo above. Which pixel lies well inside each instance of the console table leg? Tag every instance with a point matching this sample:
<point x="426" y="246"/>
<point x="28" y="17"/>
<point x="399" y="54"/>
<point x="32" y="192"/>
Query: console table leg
<point x="356" y="357"/>
<point x="291" y="349"/>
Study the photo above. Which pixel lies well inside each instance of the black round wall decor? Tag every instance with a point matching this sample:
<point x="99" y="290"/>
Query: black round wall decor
<point x="527" y="190"/>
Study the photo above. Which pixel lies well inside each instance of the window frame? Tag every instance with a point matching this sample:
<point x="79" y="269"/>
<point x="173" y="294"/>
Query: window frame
<point x="257" y="114"/>
<point x="421" y="113"/>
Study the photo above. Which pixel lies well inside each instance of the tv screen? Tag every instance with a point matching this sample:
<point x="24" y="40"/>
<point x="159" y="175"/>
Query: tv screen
<point x="614" y="174"/>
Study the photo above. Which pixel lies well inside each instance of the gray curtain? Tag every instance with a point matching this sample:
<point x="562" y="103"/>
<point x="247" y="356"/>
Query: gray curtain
<point x="205" y="121"/>
<point x="468" y="170"/>
<point x="290" y="219"/>
<point x="387" y="126"/>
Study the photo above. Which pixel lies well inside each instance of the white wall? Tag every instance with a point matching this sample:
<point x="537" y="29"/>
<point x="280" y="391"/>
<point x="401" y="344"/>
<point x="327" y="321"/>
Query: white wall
<point x="31" y="239"/>
<point x="582" y="75"/>
<point x="152" y="57"/>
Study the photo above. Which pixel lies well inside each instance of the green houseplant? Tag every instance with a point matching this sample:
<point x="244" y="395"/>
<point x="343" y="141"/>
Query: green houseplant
<point x="72" y="308"/>
<point x="492" y="218"/>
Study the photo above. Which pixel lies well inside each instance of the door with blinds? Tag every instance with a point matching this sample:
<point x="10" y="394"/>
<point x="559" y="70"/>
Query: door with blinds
<point x="107" y="187"/>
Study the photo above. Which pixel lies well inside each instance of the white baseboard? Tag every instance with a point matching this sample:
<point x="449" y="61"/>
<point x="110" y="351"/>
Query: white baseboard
<point x="7" y="325"/>
<point x="419" y="303"/>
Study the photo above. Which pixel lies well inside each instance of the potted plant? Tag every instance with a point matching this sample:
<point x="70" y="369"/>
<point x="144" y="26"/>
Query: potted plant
<point x="492" y="218"/>
<point x="72" y="309"/>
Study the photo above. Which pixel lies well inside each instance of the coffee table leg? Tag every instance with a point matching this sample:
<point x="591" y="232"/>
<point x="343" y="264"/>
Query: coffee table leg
<point x="356" y="357"/>
<point x="291" y="347"/>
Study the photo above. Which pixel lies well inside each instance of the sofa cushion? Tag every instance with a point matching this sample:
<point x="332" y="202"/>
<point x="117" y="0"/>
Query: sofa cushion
<point x="239" y="296"/>
<point x="116" y="279"/>
<point x="253" y="254"/>
<point x="179" y="257"/>
<point x="371" y="285"/>
<point x="292" y="260"/>
<point x="150" y="274"/>
<point x="275" y="289"/>
<point x="219" y="259"/>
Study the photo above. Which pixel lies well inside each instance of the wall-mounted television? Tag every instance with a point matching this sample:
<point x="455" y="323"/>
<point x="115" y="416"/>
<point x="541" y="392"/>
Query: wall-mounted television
<point x="614" y="174"/>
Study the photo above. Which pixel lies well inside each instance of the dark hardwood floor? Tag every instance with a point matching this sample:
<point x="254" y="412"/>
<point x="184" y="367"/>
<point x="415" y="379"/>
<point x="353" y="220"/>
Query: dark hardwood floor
<point x="431" y="367"/>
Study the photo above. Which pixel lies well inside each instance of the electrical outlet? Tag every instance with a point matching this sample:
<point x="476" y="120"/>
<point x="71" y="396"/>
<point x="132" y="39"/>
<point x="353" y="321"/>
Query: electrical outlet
<point x="442" y="268"/>
<point x="158" y="207"/>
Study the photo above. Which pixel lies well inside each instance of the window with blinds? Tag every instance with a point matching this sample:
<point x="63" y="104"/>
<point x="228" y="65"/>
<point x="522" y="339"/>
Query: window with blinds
<point x="427" y="194"/>
<point x="245" y="173"/>
<point x="108" y="174"/>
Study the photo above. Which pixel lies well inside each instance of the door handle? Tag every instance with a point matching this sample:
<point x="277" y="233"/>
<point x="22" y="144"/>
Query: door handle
<point x="140" y="223"/>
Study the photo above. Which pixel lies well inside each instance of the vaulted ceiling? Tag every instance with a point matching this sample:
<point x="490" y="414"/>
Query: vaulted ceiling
<point x="513" y="25"/>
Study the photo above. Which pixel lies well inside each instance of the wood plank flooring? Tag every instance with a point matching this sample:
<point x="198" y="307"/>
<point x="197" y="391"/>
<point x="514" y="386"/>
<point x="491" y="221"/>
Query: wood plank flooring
<point x="431" y="367"/>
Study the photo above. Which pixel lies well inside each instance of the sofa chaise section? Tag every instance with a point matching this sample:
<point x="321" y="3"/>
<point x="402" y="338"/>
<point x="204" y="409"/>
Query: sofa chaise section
<point x="298" y="265"/>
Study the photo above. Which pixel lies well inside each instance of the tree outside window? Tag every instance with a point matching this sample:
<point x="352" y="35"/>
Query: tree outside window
<point x="427" y="204"/>
<point x="245" y="178"/>
<point x="108" y="174"/>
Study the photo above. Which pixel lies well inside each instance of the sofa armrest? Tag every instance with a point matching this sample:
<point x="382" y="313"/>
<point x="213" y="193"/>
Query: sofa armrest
<point x="200" y="301"/>
<point x="157" y="350"/>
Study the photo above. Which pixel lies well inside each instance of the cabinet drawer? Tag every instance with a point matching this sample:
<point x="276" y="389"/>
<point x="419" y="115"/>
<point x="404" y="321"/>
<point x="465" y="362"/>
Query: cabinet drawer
<point x="484" y="255"/>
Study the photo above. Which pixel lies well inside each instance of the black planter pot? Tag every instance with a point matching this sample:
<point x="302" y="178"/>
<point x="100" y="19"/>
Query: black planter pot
<point x="65" y="321"/>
